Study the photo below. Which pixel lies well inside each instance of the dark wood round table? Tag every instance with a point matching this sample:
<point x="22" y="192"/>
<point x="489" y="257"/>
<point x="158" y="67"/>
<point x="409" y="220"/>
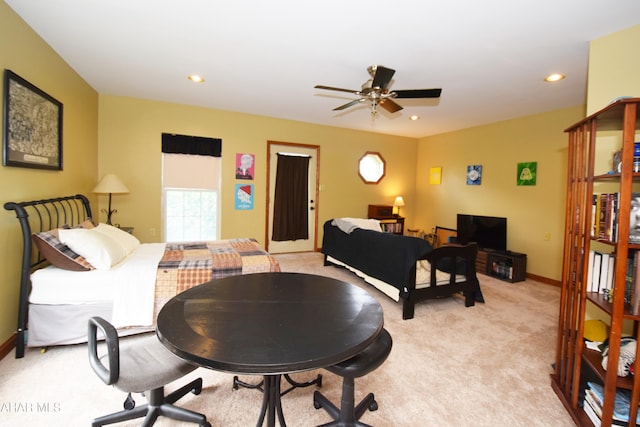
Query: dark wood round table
<point x="270" y="324"/>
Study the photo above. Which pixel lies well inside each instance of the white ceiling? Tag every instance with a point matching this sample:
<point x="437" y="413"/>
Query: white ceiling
<point x="264" y="57"/>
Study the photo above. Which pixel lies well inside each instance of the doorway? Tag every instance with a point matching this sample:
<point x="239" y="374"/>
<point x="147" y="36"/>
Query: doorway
<point x="274" y="148"/>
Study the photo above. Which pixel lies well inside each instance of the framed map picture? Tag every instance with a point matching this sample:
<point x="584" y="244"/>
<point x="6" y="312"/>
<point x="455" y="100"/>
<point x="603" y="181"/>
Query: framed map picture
<point x="32" y="126"/>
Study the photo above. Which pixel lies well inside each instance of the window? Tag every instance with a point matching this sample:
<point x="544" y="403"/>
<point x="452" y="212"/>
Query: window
<point x="190" y="215"/>
<point x="371" y="167"/>
<point x="191" y="197"/>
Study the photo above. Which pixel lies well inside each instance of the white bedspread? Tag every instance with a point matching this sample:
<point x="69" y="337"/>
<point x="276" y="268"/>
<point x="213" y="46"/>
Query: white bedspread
<point x="134" y="297"/>
<point x="129" y="285"/>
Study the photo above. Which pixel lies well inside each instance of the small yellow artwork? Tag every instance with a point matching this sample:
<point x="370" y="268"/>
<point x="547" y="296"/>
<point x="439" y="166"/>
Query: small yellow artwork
<point x="435" y="177"/>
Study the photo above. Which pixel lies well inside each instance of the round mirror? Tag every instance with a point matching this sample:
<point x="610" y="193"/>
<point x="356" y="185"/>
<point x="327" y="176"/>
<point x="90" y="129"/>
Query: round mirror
<point x="371" y="167"/>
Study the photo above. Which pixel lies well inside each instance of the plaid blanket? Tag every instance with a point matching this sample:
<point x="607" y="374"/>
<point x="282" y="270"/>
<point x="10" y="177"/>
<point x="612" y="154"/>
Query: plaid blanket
<point x="188" y="264"/>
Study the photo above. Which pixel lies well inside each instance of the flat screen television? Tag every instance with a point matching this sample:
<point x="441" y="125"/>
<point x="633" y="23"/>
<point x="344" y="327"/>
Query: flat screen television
<point x="489" y="232"/>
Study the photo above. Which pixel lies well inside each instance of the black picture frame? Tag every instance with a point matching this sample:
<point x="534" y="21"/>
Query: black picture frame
<point x="32" y="124"/>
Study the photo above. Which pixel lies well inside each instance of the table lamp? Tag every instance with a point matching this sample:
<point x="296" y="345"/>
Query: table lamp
<point x="110" y="184"/>
<point x="398" y="202"/>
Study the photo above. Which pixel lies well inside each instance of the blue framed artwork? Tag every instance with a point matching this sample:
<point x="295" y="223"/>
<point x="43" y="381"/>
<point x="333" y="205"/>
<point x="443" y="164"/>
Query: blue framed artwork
<point x="244" y="197"/>
<point x="474" y="174"/>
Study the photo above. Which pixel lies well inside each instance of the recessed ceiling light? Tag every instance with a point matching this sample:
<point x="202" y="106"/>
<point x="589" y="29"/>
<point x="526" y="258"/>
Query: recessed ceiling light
<point x="413" y="118"/>
<point x="196" y="78"/>
<point x="555" y="77"/>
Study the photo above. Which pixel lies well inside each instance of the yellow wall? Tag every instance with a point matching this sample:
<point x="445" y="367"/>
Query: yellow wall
<point x="129" y="139"/>
<point x="23" y="52"/>
<point x="531" y="211"/>
<point x="614" y="68"/>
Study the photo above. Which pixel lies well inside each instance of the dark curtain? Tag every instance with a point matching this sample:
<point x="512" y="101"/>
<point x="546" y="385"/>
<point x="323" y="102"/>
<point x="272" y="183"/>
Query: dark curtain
<point x="290" y="205"/>
<point x="185" y="144"/>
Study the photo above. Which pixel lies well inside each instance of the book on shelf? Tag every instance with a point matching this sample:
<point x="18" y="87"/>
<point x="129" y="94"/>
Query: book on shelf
<point x="635" y="291"/>
<point x="595" y="215"/>
<point x="601" y="268"/>
<point x="591" y="413"/>
<point x="595" y="272"/>
<point x="604" y="222"/>
<point x="604" y="272"/>
<point x="610" y="272"/>
<point x="634" y="220"/>
<point x="630" y="274"/>
<point x="594" y="397"/>
<point x="595" y="416"/>
<point x="604" y="216"/>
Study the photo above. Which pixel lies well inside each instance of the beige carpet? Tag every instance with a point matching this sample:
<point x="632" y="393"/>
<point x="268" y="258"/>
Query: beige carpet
<point x="486" y="365"/>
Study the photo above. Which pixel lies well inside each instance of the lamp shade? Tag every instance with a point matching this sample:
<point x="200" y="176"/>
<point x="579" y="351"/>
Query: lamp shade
<point x="110" y="183"/>
<point x="399" y="201"/>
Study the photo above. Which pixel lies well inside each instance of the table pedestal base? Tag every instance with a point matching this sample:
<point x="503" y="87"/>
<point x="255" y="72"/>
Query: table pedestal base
<point x="271" y="403"/>
<point x="237" y="383"/>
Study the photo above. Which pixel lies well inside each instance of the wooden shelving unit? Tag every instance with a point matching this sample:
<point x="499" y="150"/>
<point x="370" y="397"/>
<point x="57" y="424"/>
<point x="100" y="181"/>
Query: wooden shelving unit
<point x="592" y="142"/>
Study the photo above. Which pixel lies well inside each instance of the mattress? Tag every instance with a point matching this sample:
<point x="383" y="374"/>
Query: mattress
<point x="55" y="286"/>
<point x="423" y="277"/>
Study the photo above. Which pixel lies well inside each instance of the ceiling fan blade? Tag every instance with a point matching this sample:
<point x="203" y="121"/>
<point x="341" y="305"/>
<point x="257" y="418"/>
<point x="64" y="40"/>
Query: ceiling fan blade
<point x="349" y="104"/>
<point x="337" y="88"/>
<point x="389" y="105"/>
<point x="382" y="77"/>
<point x="418" y="93"/>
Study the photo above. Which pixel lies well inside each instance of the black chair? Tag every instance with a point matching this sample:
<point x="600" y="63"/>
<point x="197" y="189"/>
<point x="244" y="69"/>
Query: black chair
<point x="368" y="360"/>
<point x="142" y="366"/>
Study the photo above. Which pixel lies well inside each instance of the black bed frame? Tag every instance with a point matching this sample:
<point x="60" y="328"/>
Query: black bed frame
<point x="36" y="216"/>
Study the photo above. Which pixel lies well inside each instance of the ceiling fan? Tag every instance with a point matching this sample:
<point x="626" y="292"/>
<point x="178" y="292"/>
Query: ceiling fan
<point x="376" y="91"/>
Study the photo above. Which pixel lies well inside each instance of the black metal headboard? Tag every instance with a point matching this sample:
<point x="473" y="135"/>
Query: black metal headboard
<point x="36" y="216"/>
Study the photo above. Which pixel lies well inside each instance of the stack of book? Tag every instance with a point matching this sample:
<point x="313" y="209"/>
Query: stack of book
<point x="604" y="225"/>
<point x="604" y="217"/>
<point x="601" y="268"/>
<point x="592" y="405"/>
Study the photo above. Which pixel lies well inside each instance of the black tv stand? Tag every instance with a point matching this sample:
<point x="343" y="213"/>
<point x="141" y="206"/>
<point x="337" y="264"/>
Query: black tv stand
<point x="506" y="265"/>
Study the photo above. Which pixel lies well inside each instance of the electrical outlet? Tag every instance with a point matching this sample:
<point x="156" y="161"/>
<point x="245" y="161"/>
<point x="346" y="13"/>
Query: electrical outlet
<point x="547" y="236"/>
<point x="152" y="232"/>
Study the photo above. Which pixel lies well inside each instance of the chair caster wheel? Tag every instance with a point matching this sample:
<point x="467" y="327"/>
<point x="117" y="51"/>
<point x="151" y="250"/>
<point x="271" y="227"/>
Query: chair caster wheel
<point x="129" y="403"/>
<point x="207" y="424"/>
<point x="319" y="381"/>
<point x="197" y="389"/>
<point x="373" y="406"/>
<point x="316" y="400"/>
<point x="235" y="382"/>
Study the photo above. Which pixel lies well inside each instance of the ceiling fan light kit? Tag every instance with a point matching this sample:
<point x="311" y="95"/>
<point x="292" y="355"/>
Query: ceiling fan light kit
<point x="376" y="91"/>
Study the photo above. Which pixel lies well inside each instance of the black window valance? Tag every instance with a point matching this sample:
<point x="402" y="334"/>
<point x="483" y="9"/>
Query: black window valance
<point x="185" y="144"/>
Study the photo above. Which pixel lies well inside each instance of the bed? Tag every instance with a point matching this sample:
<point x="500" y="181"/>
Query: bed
<point x="73" y="269"/>
<point x="401" y="266"/>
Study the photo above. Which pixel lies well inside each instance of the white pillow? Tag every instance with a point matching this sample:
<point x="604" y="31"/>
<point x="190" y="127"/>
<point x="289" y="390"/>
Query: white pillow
<point x="100" y="250"/>
<point x="364" y="223"/>
<point x="128" y="241"/>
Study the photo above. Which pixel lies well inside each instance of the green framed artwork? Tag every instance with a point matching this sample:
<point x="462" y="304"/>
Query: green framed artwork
<point x="527" y="173"/>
